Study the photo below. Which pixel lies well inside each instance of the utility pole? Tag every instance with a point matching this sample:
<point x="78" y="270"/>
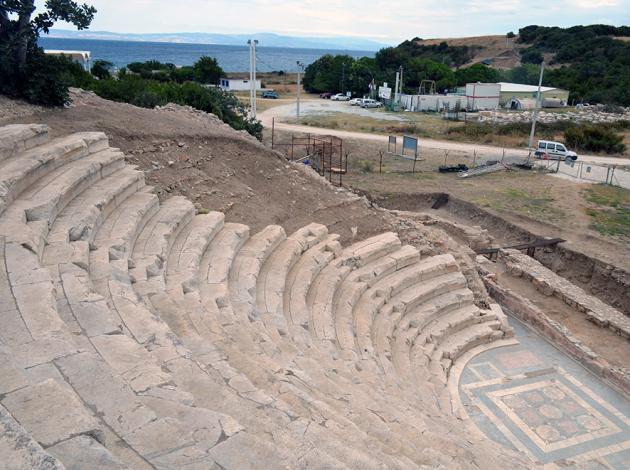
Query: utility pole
<point x="400" y="86"/>
<point x="535" y="115"/>
<point x="252" y="75"/>
<point x="299" y="85"/>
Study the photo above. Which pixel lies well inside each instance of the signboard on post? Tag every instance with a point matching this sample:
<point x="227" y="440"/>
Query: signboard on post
<point x="391" y="144"/>
<point x="384" y="92"/>
<point x="410" y="143"/>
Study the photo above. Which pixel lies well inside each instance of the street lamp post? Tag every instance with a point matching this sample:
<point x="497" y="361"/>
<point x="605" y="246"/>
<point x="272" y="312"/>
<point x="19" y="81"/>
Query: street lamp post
<point x="299" y="85"/>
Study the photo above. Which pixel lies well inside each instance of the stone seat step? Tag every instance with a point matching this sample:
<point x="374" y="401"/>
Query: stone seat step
<point x="28" y="303"/>
<point x="116" y="236"/>
<point x="163" y="440"/>
<point x="18" y="449"/>
<point x="369" y="304"/>
<point x="453" y="322"/>
<point x="17" y="138"/>
<point x="188" y="250"/>
<point x="245" y="270"/>
<point x="323" y="294"/>
<point x="442" y="358"/>
<point x="51" y="413"/>
<point x="83" y="451"/>
<point x="413" y="324"/>
<point x="390" y="314"/>
<point x="301" y="277"/>
<point x="358" y="282"/>
<point x="153" y="245"/>
<point x="23" y="169"/>
<point x="272" y="279"/>
<point x="426" y="269"/>
<point x="215" y="268"/>
<point x="83" y="215"/>
<point x="415" y="320"/>
<point x="29" y="217"/>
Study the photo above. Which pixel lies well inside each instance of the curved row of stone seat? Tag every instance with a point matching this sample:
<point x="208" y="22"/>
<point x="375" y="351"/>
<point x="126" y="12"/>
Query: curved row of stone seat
<point x="248" y="266"/>
<point x="249" y="269"/>
<point x="104" y="368"/>
<point x="140" y="335"/>
<point x="160" y="246"/>
<point x="245" y="266"/>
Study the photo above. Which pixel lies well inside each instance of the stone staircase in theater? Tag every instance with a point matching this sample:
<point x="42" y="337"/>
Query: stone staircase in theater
<point x="140" y="335"/>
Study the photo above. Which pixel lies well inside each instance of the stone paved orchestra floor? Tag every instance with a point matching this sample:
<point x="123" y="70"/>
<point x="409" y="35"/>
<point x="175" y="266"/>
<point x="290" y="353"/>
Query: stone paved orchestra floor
<point x="533" y="398"/>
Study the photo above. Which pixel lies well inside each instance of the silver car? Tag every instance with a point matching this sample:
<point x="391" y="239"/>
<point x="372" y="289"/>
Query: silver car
<point x="370" y="103"/>
<point x="339" y="97"/>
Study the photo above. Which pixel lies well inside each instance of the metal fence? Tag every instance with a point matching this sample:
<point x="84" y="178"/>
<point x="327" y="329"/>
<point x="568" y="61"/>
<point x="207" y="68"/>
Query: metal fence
<point x="589" y="172"/>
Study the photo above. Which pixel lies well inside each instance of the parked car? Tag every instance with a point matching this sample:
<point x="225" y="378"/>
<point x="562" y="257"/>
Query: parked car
<point x="325" y="96"/>
<point x="340" y="97"/>
<point x="370" y="103"/>
<point x="270" y="94"/>
<point x="549" y="150"/>
<point x="355" y="101"/>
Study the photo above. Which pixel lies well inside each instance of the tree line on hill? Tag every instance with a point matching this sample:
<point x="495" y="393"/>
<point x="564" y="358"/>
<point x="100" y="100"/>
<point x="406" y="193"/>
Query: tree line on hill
<point x="591" y="64"/>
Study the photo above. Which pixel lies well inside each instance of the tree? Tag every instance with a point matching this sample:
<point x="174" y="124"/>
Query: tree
<point x="476" y="73"/>
<point x="19" y="31"/>
<point x="531" y="56"/>
<point x="101" y="69"/>
<point x="24" y="30"/>
<point x="207" y="70"/>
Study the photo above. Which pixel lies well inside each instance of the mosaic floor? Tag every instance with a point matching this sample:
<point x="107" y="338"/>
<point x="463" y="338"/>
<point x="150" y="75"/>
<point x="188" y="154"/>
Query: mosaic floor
<point x="535" y="399"/>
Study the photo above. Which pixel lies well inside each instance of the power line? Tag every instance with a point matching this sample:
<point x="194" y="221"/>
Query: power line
<point x="271" y="69"/>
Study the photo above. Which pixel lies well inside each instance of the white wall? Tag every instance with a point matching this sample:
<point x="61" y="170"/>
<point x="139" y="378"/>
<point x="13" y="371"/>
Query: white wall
<point x="432" y="102"/>
<point x="483" y="96"/>
<point x="231" y="84"/>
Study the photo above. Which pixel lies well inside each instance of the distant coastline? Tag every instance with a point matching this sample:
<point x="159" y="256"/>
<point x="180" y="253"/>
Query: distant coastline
<point x="216" y="39"/>
<point x="231" y="58"/>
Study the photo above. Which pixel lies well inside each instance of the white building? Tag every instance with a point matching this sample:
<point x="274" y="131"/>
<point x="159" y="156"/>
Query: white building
<point x="237" y="84"/>
<point x="477" y="97"/>
<point x="83" y="58"/>
<point x="482" y="96"/>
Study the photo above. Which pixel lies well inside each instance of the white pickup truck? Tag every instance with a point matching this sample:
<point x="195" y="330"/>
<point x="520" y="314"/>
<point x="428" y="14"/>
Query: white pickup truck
<point x="550" y="150"/>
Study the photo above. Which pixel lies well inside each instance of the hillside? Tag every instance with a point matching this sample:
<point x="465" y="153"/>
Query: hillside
<point x="503" y="53"/>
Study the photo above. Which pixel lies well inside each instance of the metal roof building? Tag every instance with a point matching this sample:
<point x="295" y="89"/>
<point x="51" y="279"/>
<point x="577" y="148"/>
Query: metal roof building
<point x="517" y="91"/>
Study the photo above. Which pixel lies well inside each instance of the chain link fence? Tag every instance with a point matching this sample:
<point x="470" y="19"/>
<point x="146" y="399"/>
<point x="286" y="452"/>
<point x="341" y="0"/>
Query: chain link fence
<point x="588" y="172"/>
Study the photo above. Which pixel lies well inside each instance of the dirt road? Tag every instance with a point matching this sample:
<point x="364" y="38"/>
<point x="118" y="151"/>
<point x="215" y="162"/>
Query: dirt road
<point x="483" y="151"/>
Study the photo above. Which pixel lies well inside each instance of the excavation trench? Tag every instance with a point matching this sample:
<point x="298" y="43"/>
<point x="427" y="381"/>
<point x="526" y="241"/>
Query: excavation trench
<point x="609" y="283"/>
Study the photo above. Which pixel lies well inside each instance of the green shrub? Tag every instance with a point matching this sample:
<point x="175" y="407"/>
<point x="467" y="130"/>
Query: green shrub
<point x="48" y="78"/>
<point x="367" y="166"/>
<point x="148" y="93"/>
<point x="594" y="138"/>
<point x="101" y="69"/>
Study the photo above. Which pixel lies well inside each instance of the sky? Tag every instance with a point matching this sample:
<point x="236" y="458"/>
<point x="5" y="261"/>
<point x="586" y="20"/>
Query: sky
<point x="387" y="21"/>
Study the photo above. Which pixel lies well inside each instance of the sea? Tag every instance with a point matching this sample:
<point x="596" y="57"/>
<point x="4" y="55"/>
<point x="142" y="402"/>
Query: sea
<point x="230" y="58"/>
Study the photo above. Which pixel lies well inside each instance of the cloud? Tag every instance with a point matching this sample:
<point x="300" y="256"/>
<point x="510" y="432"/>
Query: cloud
<point x="385" y="20"/>
<point x="595" y="4"/>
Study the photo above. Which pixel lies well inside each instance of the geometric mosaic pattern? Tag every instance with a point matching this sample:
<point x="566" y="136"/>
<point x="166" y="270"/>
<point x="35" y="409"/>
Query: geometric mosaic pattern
<point x="526" y="400"/>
